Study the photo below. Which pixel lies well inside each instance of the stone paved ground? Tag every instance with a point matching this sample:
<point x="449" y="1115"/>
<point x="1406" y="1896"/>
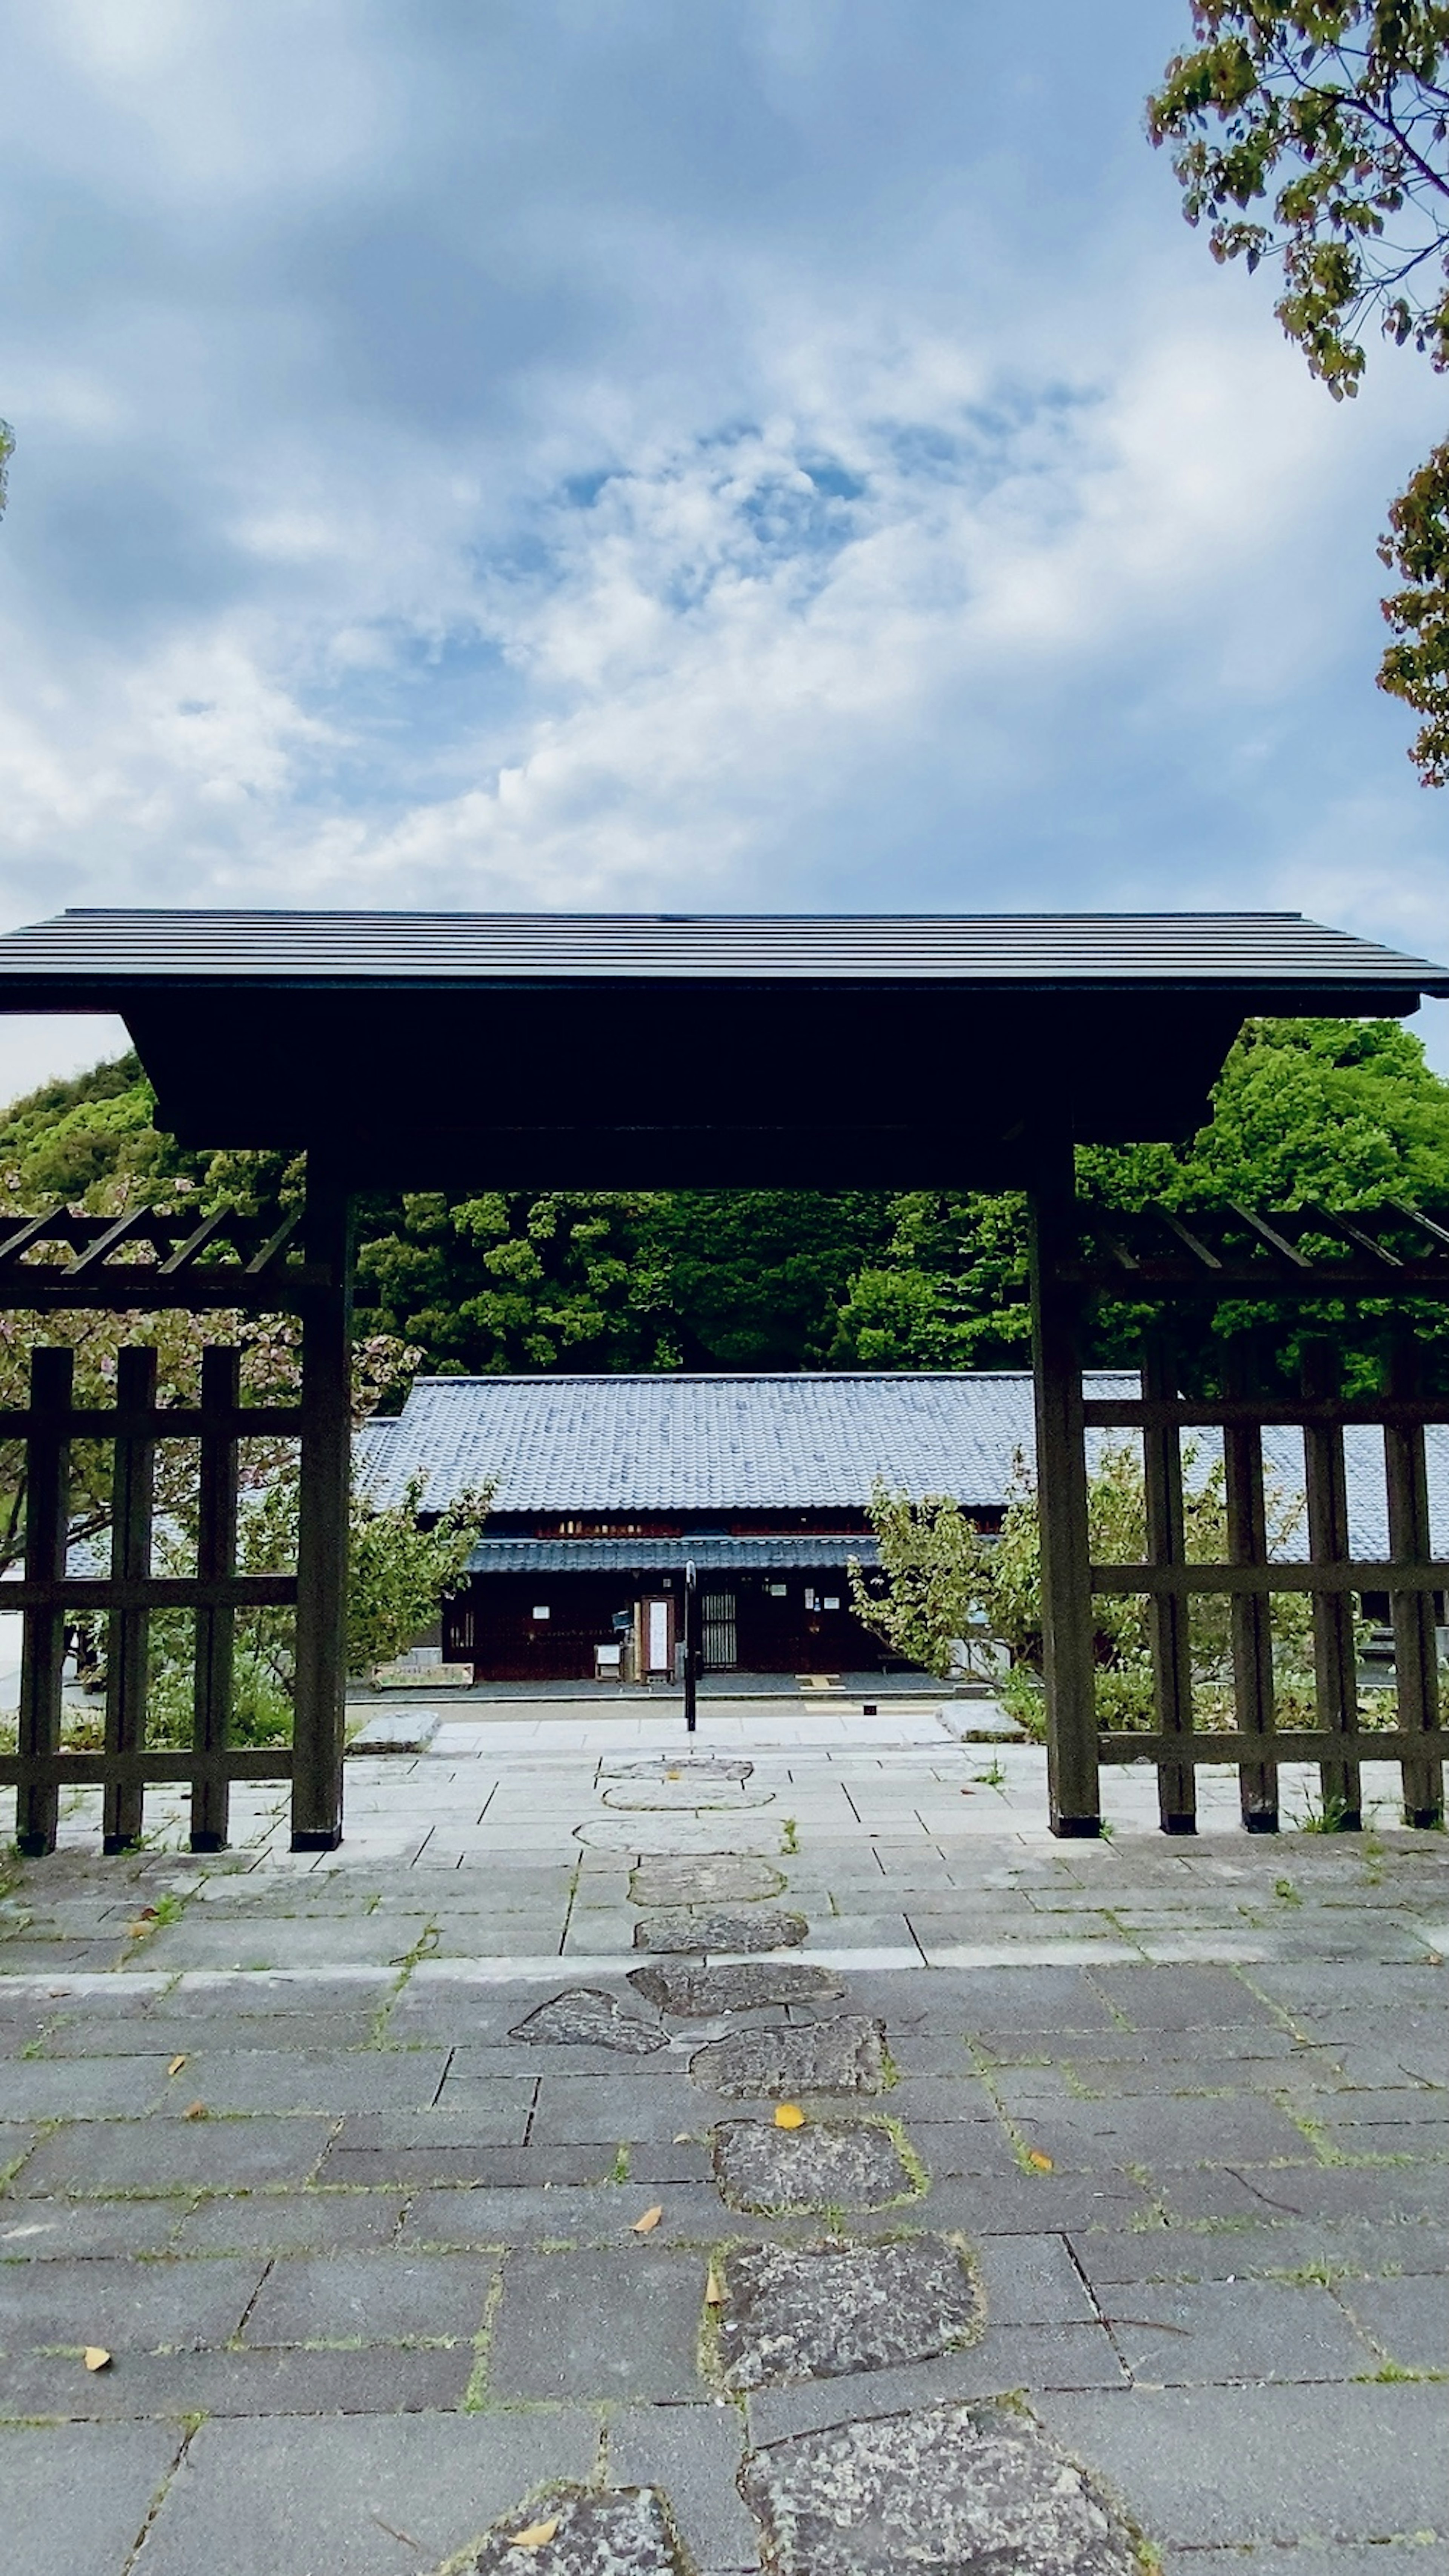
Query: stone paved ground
<point x="1147" y="2138"/>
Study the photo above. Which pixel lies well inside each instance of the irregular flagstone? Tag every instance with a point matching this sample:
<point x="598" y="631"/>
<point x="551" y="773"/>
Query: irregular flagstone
<point x="687" y="1766"/>
<point x="663" y="1796"/>
<point x="954" y="2488"/>
<point x="682" y="1932"/>
<point x="685" y="1830"/>
<point x="626" y="2534"/>
<point x="696" y="1994"/>
<point x="713" y="1878"/>
<point x="817" y="2311"/>
<point x="844" y="2055"/>
<point x="771" y="2171"/>
<point x="585" y="2017"/>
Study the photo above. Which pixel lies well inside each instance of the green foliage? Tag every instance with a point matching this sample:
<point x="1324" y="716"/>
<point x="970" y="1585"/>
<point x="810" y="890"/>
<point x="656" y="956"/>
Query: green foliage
<point x="615" y="1279"/>
<point x="1416" y="668"/>
<point x="1313" y="135"/>
<point x="401" y="1569"/>
<point x="950" y="1292"/>
<point x="1344" y="1113"/>
<point x="505" y="1283"/>
<point x="935" y="1569"/>
<point x="943" y="1579"/>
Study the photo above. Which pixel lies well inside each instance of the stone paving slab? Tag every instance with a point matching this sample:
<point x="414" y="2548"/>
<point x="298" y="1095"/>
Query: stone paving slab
<point x="1240" y="2199"/>
<point x="291" y="2496"/>
<point x="1237" y="2466"/>
<point x="620" y="2324"/>
<point x="77" y="2495"/>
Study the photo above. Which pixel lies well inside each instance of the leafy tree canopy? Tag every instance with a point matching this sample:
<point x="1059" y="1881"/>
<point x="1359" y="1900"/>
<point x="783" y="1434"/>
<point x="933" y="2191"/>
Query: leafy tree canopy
<point x="1315" y="136"/>
<point x="1344" y="1113"/>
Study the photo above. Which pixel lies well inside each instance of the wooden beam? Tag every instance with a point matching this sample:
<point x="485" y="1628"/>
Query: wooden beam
<point x="1061" y="1476"/>
<point x="215" y="1620"/>
<point x="323" y="1528"/>
<point x="47" y="1520"/>
<point x="1416" y="1656"/>
<point x="129" y="1641"/>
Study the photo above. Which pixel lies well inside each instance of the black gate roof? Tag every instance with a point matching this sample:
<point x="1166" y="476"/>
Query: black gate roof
<point x="629" y="1050"/>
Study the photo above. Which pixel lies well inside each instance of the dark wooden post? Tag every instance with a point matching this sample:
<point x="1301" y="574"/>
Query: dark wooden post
<point x="215" y="1623"/>
<point x="1061" y="1477"/>
<point x="1252" y="1613"/>
<point x="1169" y="1612"/>
<point x="1334" y="1654"/>
<point x="129" y="1644"/>
<point x="1416" y="1660"/>
<point x="47" y="1523"/>
<point x="693" y="1614"/>
<point x="322" y="1533"/>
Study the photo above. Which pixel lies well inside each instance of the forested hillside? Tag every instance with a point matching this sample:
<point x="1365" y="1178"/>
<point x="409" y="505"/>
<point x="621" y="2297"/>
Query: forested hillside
<point x="1340" y="1111"/>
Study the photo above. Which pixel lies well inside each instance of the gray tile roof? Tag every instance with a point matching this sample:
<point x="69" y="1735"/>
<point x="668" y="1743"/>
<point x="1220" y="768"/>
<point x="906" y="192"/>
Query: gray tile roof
<point x="113" y="948"/>
<point x="708" y="1443"/>
<point x="676" y="1444"/>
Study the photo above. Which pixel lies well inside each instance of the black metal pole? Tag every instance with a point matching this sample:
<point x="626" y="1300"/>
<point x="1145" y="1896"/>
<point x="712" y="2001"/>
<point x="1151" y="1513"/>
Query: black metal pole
<point x="691" y="1646"/>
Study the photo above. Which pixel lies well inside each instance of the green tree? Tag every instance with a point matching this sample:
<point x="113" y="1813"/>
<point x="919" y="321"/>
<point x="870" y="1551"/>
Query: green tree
<point x="1315" y="136"/>
<point x="933" y="1582"/>
<point x="1343" y="1113"/>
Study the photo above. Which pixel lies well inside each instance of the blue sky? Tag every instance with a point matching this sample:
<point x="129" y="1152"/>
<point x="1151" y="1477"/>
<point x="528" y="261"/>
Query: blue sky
<point x="699" y="453"/>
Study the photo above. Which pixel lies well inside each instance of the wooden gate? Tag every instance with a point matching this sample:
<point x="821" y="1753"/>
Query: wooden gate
<point x="138" y="1262"/>
<point x="1181" y="1273"/>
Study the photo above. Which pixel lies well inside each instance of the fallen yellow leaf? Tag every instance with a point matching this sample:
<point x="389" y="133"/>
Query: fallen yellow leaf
<point x="646" y="2225"/>
<point x="536" y="2535"/>
<point x="97" y="2357"/>
<point x="788" y="2115"/>
<point x="177" y="2063"/>
<point x="1035" y="2158"/>
<point x="137" y="1931"/>
<point x="680" y="2138"/>
<point x="194" y="2111"/>
<point x="714" y="2290"/>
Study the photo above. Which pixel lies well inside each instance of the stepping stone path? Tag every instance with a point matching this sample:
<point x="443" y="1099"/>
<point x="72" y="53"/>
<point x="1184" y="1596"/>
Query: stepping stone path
<point x="772" y="2172"/>
<point x="715" y="1878"/>
<point x="716" y="1932"/>
<point x="816" y="2312"/>
<point x="583" y="2017"/>
<point x="966" y="2489"/>
<point x="698" y="1994"/>
<point x="626" y="2533"/>
<point x="846" y="2055"/>
<point x="952" y="2488"/>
